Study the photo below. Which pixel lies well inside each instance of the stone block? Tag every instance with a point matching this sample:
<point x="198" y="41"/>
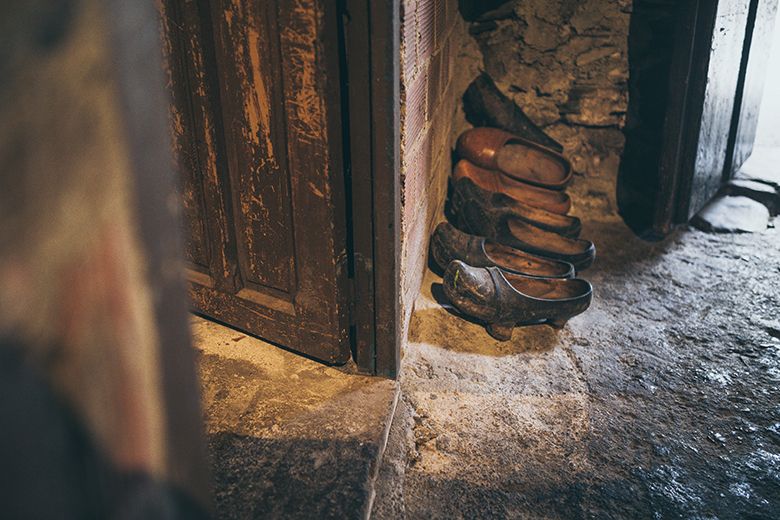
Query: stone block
<point x="732" y="215"/>
<point x="758" y="191"/>
<point x="763" y="165"/>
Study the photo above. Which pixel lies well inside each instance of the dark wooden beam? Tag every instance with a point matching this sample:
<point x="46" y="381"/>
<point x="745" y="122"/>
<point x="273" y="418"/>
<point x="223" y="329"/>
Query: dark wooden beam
<point x="371" y="41"/>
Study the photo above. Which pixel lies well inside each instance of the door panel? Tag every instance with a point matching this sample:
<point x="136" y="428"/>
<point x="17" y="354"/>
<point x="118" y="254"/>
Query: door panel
<point x="760" y="46"/>
<point x="725" y="56"/>
<point x="197" y="140"/>
<point x="254" y="123"/>
<point x="687" y="59"/>
<point x="186" y="155"/>
<point x="257" y="127"/>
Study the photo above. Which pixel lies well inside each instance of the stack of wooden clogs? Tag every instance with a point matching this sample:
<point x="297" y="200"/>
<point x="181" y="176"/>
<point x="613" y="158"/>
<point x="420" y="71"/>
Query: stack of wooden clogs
<point x="511" y="252"/>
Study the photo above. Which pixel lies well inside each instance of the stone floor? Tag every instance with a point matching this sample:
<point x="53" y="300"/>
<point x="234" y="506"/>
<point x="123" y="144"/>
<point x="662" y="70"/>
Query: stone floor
<point x="661" y="401"/>
<point x="288" y="437"/>
<point x="762" y="165"/>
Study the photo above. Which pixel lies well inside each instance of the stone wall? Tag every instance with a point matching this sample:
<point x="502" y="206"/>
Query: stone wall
<point x="565" y="62"/>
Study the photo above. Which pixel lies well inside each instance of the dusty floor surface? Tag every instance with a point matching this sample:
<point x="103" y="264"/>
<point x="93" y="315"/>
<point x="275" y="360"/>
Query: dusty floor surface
<point x="288" y="437"/>
<point x="662" y="401"/>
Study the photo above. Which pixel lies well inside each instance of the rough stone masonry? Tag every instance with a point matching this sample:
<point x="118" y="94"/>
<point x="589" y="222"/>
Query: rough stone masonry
<point x="565" y="62"/>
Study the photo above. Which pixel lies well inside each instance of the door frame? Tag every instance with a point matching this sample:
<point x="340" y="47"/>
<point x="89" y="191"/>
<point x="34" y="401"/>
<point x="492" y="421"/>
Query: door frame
<point x="681" y="146"/>
<point x="370" y="40"/>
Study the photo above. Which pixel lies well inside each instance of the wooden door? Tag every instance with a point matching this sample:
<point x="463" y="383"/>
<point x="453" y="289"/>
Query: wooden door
<point x="687" y="60"/>
<point x="761" y="28"/>
<point x="722" y="58"/>
<point x="257" y="128"/>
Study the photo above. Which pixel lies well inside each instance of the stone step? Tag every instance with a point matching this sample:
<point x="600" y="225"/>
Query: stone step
<point x="758" y="191"/>
<point x="729" y="214"/>
<point x="763" y="165"/>
<point x="288" y="437"/>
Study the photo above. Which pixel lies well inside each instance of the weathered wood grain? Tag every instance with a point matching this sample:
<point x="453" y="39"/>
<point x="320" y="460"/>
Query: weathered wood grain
<point x="723" y="63"/>
<point x="760" y="44"/>
<point x="257" y="89"/>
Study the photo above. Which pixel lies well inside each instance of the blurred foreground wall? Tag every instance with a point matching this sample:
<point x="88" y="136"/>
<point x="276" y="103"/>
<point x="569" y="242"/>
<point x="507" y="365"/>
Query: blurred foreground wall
<point x="99" y="393"/>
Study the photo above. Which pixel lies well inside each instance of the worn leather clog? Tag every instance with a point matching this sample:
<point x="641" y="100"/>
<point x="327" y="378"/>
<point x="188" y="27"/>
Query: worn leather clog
<point x="503" y="300"/>
<point x="466" y="190"/>
<point x="506" y="229"/>
<point x="485" y="105"/>
<point x="516" y="157"/>
<point x="448" y="244"/>
<point x="492" y="180"/>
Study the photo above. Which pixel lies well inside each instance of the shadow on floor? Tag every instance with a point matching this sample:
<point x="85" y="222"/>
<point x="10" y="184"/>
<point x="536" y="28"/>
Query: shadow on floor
<point x="288" y="437"/>
<point x="290" y="478"/>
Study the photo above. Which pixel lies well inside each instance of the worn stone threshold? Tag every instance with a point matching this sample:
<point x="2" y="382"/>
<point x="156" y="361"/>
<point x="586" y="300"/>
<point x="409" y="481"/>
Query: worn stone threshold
<point x="288" y="437"/>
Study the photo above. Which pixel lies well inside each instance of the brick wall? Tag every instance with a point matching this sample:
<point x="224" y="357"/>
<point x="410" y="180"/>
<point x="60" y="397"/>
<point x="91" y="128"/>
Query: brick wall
<point x="432" y="34"/>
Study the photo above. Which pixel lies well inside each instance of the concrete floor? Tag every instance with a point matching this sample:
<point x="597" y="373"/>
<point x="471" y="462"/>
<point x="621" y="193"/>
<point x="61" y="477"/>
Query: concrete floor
<point x="288" y="437"/>
<point x="661" y="401"/>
